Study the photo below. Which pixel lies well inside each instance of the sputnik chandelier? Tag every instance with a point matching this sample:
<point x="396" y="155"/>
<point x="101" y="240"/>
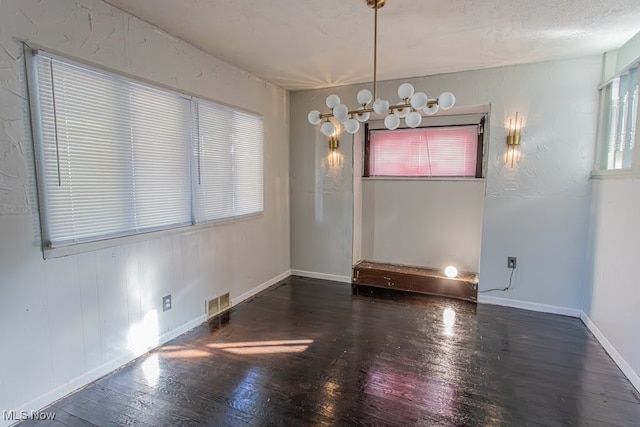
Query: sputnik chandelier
<point x="410" y="108"/>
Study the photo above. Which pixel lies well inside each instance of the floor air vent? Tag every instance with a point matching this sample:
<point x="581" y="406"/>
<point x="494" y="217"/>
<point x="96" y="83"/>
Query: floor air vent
<point x="217" y="305"/>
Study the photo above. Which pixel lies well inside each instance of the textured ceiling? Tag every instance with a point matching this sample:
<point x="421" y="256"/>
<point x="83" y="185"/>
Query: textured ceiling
<point x="303" y="44"/>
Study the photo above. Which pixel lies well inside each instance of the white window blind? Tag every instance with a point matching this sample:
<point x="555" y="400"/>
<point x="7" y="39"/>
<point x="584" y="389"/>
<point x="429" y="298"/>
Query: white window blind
<point x="115" y="154"/>
<point x="618" y="120"/>
<point x="448" y="151"/>
<point x="229" y="154"/>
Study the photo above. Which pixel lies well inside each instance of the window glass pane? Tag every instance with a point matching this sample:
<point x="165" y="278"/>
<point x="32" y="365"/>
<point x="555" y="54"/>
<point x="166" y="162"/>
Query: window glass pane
<point x="247" y="163"/>
<point x="160" y="131"/>
<point x="631" y="116"/>
<point x="230" y="163"/>
<point x="618" y="121"/>
<point x="438" y="151"/>
<point x="215" y="189"/>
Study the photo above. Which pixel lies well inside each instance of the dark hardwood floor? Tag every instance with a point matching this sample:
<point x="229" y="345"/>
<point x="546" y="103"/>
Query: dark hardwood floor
<point x="309" y="353"/>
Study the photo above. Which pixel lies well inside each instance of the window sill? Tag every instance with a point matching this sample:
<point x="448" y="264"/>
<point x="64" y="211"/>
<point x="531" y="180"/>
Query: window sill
<point x="421" y="178"/>
<point x="615" y="174"/>
<point x="62" y="251"/>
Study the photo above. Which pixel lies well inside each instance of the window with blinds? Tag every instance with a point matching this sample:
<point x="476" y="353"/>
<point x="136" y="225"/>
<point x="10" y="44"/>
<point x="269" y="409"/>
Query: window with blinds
<point x="117" y="157"/>
<point x="229" y="172"/>
<point x="443" y="151"/>
<point x="618" y="120"/>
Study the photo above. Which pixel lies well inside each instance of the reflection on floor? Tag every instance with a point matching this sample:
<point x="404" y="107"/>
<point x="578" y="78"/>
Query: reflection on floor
<point x="308" y="352"/>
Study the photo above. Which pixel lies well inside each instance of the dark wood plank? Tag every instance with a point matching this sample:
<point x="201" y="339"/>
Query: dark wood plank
<point x="309" y="352"/>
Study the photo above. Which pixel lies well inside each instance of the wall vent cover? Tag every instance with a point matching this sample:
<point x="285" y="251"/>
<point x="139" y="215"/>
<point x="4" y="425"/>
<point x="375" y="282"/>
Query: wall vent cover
<point x="217" y="305"/>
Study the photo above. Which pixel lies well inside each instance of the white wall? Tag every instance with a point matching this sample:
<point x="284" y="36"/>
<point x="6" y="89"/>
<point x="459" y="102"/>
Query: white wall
<point x="538" y="212"/>
<point x="65" y="321"/>
<point x="427" y="223"/>
<point x="358" y="213"/>
<point x="612" y="301"/>
<point x="612" y="294"/>
<point x="321" y="197"/>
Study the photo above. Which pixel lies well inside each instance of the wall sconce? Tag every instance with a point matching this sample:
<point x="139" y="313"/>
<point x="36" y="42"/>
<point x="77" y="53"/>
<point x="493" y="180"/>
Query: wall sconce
<point x="335" y="158"/>
<point x="513" y="142"/>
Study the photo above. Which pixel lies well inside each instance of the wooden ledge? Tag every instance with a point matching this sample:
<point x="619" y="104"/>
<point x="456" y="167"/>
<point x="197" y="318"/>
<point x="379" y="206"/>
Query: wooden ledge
<point x="415" y="279"/>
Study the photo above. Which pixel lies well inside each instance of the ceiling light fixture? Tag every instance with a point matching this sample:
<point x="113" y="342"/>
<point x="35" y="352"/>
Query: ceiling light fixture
<point x="410" y="108"/>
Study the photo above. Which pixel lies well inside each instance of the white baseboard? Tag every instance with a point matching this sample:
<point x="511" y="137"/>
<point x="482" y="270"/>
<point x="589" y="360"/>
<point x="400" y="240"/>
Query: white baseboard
<point x="626" y="369"/>
<point x="533" y="306"/>
<point x="260" y="288"/>
<point x="324" y="276"/>
<point x="97" y="373"/>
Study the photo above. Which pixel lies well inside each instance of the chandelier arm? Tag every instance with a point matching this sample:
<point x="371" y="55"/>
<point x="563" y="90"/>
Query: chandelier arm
<point x="351" y="112"/>
<point x="430" y="103"/>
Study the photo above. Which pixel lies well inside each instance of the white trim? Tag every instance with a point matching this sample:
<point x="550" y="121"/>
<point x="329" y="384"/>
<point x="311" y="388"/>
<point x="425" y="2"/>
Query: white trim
<point x="614" y="174"/>
<point x="626" y="369"/>
<point x="85" y="379"/>
<point x="621" y="71"/>
<point x="96" y="245"/>
<point x="422" y="178"/>
<point x="532" y="306"/>
<point x="324" y="276"/>
<point x="260" y="288"/>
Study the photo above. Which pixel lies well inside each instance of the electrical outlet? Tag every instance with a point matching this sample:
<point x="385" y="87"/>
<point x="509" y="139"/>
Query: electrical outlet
<point x="166" y="303"/>
<point x="511" y="262"/>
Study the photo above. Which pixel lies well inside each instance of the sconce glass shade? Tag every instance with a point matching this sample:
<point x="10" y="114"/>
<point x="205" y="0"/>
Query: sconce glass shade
<point x="512" y="155"/>
<point x="335" y="158"/>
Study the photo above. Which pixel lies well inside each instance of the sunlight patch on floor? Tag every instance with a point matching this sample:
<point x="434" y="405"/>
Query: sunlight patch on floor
<point x="263" y="347"/>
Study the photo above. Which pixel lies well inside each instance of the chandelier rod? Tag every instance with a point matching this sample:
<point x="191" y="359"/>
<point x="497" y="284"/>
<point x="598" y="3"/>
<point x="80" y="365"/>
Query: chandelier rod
<point x="375" y="50"/>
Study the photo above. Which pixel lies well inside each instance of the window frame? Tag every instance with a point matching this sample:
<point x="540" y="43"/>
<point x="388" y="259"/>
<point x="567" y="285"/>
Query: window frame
<point x="600" y="170"/>
<point x="39" y="178"/>
<point x="448" y="121"/>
